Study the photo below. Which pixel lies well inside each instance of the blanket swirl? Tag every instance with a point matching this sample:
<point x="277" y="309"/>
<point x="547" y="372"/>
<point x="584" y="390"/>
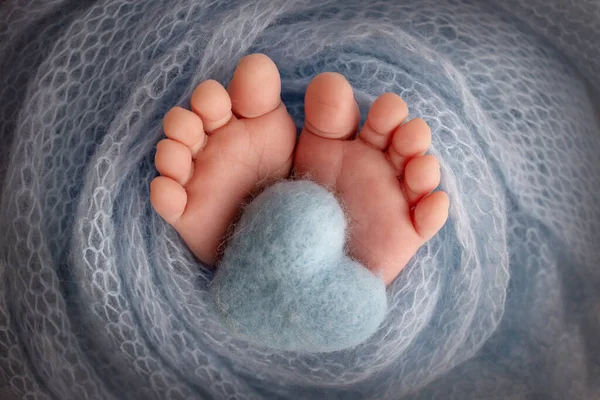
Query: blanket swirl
<point x="100" y="299"/>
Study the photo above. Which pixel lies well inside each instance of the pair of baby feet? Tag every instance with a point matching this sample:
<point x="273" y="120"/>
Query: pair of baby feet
<point x="237" y="140"/>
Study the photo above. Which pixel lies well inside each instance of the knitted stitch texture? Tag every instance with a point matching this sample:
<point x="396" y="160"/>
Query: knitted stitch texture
<point x="100" y="299"/>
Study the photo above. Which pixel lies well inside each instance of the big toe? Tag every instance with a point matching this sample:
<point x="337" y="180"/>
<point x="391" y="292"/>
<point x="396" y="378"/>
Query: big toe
<point x="330" y="109"/>
<point x="255" y="88"/>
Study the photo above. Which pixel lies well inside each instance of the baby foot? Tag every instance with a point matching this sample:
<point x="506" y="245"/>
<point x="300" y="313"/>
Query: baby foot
<point x="383" y="178"/>
<point x="230" y="144"/>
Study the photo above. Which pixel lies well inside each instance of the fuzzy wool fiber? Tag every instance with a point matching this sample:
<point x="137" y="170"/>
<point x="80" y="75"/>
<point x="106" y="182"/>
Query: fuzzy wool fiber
<point x="285" y="281"/>
<point x="100" y="299"/>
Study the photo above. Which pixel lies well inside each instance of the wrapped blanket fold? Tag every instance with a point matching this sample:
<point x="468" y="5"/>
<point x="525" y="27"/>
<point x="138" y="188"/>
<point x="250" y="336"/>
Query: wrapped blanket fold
<point x="100" y="299"/>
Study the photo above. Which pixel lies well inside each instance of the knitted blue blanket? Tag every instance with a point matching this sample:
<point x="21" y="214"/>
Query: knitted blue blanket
<point x="100" y="299"/>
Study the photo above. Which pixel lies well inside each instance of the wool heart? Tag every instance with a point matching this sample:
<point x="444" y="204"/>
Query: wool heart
<point x="285" y="281"/>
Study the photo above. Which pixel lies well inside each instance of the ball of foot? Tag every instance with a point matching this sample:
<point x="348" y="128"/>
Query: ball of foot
<point x="285" y="282"/>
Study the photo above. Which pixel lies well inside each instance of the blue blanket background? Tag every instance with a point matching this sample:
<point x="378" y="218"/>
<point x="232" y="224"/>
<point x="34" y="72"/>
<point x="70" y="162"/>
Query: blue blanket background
<point x="99" y="299"/>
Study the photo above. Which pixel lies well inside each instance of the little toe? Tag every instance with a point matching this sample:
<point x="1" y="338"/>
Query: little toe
<point x="330" y="108"/>
<point x="174" y="160"/>
<point x="409" y="140"/>
<point x="386" y="114"/>
<point x="255" y="88"/>
<point x="430" y="214"/>
<point x="168" y="198"/>
<point x="185" y="127"/>
<point x="211" y="102"/>
<point x="421" y="177"/>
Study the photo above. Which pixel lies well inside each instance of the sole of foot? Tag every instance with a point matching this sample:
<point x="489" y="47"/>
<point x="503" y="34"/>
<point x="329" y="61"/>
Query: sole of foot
<point x="229" y="144"/>
<point x="383" y="177"/>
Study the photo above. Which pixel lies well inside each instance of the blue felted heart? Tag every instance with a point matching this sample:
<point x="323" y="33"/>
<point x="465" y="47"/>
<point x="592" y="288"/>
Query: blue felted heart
<point x="285" y="281"/>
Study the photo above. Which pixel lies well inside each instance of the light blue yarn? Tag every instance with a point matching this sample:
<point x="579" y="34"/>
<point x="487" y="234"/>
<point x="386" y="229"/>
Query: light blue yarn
<point x="285" y="281"/>
<point x="99" y="298"/>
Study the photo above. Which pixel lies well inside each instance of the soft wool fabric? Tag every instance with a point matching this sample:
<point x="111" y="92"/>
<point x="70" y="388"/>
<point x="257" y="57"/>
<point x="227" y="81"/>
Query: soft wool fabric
<point x="285" y="281"/>
<point x="99" y="299"/>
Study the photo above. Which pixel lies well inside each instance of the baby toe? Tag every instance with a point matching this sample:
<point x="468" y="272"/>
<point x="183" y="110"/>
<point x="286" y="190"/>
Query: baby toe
<point x="386" y="114"/>
<point x="211" y="102"/>
<point x="174" y="160"/>
<point x="430" y="215"/>
<point x="409" y="140"/>
<point x="168" y="198"/>
<point x="185" y="127"/>
<point x="255" y="88"/>
<point x="421" y="177"/>
<point x="330" y="108"/>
